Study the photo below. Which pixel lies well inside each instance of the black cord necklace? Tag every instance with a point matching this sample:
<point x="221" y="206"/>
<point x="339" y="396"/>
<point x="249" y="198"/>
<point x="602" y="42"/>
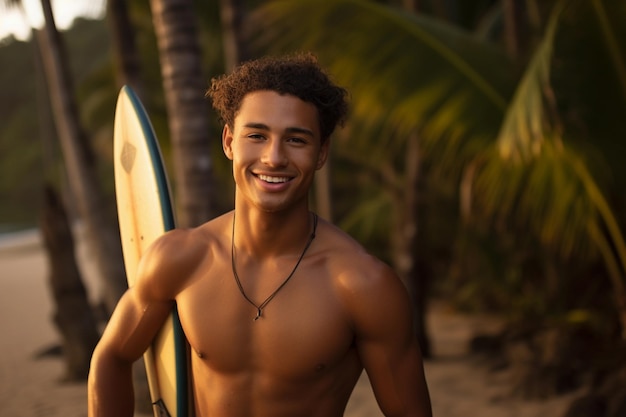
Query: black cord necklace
<point x="261" y="306"/>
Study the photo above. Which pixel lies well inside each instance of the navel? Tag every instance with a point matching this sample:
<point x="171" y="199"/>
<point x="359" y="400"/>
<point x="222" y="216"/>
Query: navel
<point x="320" y="367"/>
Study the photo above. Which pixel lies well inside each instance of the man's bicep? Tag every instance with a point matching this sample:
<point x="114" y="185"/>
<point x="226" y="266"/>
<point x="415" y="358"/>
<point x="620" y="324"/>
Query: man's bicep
<point x="389" y="351"/>
<point x="134" y="323"/>
<point x="144" y="308"/>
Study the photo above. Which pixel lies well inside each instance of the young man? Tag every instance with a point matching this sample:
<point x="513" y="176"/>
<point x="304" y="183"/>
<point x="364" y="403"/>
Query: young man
<point x="282" y="310"/>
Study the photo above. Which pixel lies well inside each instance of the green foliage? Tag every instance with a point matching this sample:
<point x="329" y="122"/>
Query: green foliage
<point x="550" y="175"/>
<point x="535" y="158"/>
<point x="538" y="159"/>
<point x="20" y="151"/>
<point x="403" y="71"/>
<point x="26" y="127"/>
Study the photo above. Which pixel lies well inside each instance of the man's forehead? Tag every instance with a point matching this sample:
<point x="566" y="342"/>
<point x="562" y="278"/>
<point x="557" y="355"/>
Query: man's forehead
<point x="266" y="108"/>
<point x="270" y="93"/>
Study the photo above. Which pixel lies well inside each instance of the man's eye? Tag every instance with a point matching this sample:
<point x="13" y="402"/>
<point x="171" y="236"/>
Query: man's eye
<point x="297" y="140"/>
<point x="255" y="136"/>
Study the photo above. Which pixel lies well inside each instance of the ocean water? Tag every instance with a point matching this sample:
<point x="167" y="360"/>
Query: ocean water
<point x="16" y="238"/>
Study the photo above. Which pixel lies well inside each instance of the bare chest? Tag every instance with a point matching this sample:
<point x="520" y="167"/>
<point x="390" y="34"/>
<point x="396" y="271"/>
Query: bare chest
<point x="303" y="330"/>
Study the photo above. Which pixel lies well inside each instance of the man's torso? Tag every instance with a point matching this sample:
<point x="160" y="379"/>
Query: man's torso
<point x="298" y="358"/>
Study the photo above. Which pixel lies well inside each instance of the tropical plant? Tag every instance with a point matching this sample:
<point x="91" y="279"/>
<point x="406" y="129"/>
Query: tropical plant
<point x="541" y="157"/>
<point x="79" y="160"/>
<point x="549" y="176"/>
<point x="74" y="316"/>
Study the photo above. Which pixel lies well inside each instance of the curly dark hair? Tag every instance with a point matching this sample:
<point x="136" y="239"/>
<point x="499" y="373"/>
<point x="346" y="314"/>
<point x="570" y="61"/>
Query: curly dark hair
<point x="298" y="75"/>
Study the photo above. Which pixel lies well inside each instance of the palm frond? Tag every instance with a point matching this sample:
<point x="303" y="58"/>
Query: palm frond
<point x="612" y="43"/>
<point x="586" y="48"/>
<point x="541" y="175"/>
<point x="404" y="72"/>
<point x="526" y="123"/>
<point x="548" y="196"/>
<point x="363" y="221"/>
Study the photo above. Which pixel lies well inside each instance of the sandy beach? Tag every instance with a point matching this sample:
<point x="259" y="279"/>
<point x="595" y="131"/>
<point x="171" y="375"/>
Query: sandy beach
<point x="31" y="386"/>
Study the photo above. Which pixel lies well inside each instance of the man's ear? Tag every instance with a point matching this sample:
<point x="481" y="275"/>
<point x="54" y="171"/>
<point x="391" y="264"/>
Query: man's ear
<point x="323" y="154"/>
<point x="227" y="142"/>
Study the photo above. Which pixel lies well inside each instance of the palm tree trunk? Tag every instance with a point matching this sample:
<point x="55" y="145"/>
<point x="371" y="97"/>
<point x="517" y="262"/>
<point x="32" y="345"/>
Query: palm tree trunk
<point x="184" y="86"/>
<point x="73" y="315"/>
<point x="231" y="13"/>
<point x="102" y="236"/>
<point x="125" y="53"/>
<point x="406" y="259"/>
<point x="415" y="272"/>
<point x="515" y="29"/>
<point x="323" y="192"/>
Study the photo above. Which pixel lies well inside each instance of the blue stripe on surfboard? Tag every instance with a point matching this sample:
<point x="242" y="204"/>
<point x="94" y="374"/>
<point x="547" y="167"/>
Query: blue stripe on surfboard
<point x="182" y="380"/>
<point x="180" y="343"/>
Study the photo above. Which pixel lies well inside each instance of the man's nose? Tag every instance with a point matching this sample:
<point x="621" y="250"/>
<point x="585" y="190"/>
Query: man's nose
<point x="274" y="154"/>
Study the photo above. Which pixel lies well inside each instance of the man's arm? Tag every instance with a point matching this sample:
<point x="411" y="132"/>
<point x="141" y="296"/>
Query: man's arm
<point x="128" y="334"/>
<point x="387" y="344"/>
<point x="136" y="320"/>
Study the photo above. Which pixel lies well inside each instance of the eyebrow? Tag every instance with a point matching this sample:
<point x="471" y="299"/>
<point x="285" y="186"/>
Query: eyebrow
<point x="294" y="129"/>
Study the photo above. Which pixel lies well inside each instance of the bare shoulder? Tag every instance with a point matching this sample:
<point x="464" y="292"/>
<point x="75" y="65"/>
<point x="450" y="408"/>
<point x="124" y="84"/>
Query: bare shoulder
<point x="173" y="258"/>
<point x="375" y="300"/>
<point x="357" y="273"/>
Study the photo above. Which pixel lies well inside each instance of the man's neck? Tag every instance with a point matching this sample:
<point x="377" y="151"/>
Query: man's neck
<point x="265" y="234"/>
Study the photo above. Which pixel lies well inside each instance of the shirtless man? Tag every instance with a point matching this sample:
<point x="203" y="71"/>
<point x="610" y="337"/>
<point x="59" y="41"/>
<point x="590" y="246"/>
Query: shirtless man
<point x="282" y="309"/>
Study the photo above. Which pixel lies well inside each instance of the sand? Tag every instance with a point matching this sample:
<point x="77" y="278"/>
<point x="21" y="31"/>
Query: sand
<point x="31" y="386"/>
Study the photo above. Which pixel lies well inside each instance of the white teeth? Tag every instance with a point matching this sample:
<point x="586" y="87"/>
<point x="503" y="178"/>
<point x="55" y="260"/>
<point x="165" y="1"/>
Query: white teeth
<point x="275" y="180"/>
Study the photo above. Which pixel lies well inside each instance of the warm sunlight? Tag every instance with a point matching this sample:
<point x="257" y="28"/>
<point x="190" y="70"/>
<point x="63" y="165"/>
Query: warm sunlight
<point x="13" y="22"/>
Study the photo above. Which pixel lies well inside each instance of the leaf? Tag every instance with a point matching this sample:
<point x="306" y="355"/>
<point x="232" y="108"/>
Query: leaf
<point x="526" y="122"/>
<point x="404" y="72"/>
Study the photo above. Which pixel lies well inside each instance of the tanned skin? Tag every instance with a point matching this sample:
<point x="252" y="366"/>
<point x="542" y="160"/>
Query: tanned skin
<point x="343" y="310"/>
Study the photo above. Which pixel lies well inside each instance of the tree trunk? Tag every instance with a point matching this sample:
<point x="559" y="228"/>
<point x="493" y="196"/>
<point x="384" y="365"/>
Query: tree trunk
<point x="125" y="53"/>
<point x="412" y="5"/>
<point x="73" y="315"/>
<point x="231" y="13"/>
<point x="187" y="109"/>
<point x="406" y="259"/>
<point x="102" y="231"/>
<point x="323" y="192"/>
<point x="515" y="30"/>
<point x="412" y="267"/>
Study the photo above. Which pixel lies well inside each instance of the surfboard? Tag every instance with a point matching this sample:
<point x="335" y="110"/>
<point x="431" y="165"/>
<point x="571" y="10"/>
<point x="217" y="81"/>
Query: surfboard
<point x="145" y="213"/>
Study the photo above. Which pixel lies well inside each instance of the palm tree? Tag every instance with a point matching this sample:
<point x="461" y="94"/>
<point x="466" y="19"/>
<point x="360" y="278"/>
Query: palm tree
<point x="184" y="86"/>
<point x="411" y="73"/>
<point x="85" y="187"/>
<point x="547" y="174"/>
<point x="80" y="164"/>
<point x="74" y="316"/>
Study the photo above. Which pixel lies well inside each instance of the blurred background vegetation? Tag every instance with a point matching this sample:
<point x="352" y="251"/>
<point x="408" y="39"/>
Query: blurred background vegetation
<point x="483" y="158"/>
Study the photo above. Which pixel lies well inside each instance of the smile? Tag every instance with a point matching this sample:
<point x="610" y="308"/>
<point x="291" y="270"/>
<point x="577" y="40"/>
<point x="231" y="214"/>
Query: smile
<point x="273" y="180"/>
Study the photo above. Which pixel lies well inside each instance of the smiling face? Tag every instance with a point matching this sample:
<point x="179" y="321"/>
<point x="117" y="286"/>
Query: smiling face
<point x="276" y="148"/>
